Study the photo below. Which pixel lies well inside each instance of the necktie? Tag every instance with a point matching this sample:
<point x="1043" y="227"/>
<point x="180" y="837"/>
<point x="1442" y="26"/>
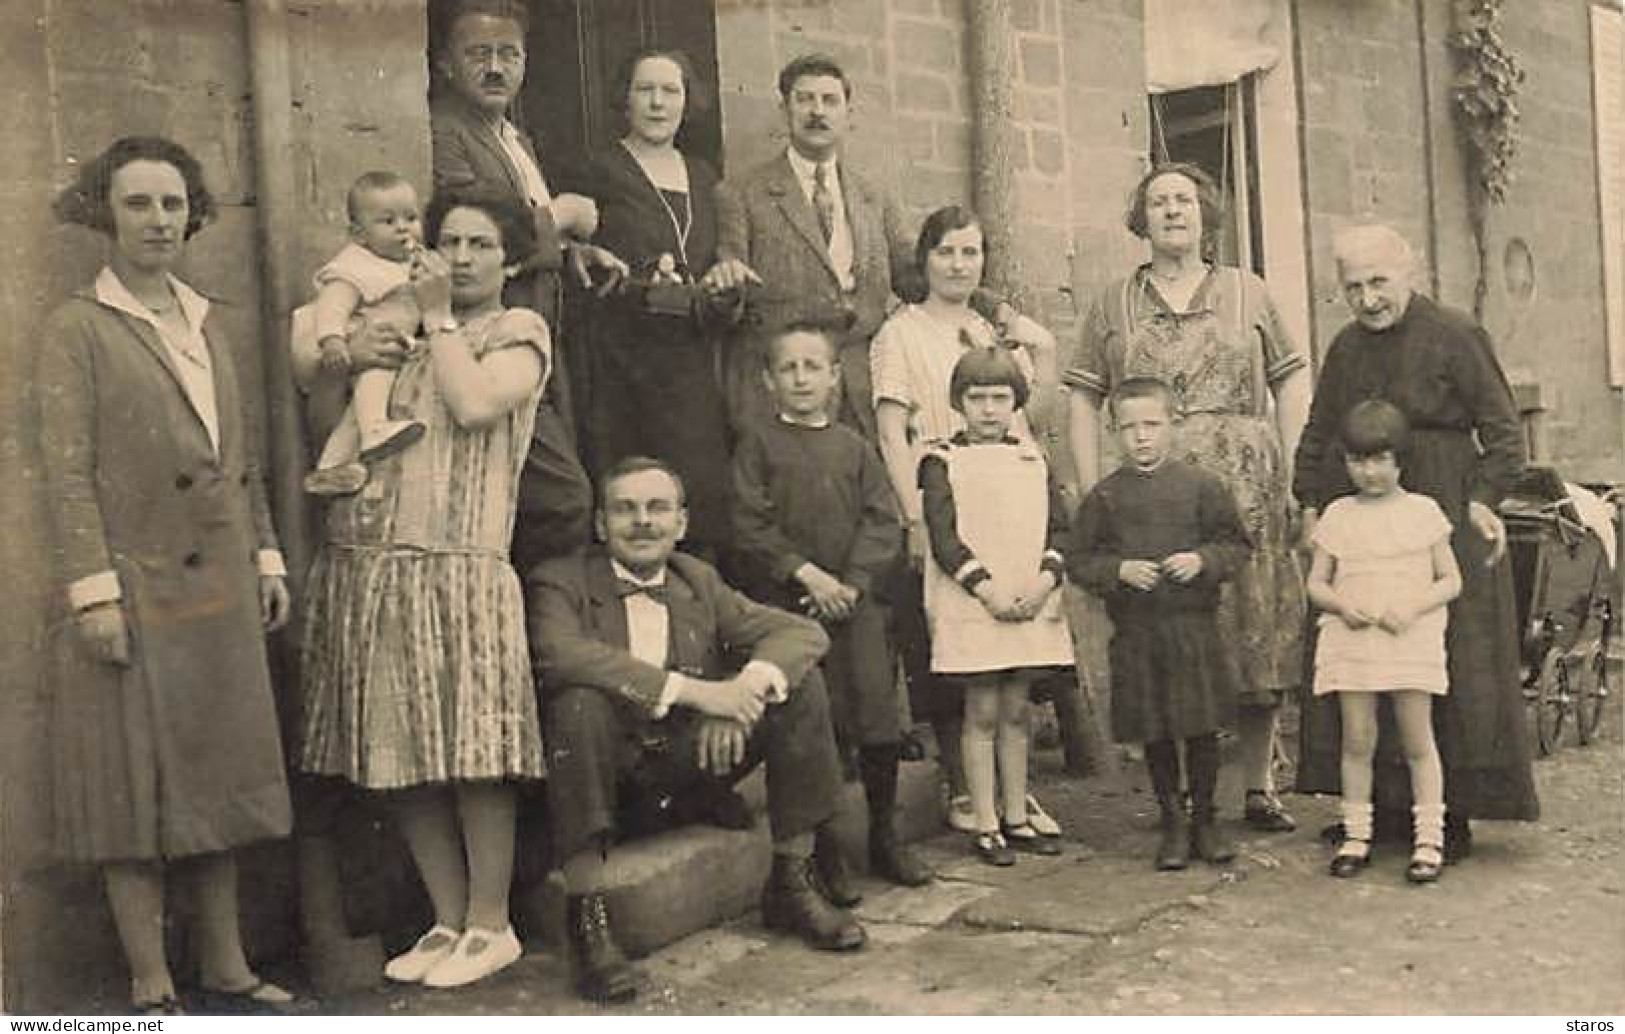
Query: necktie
<point x="625" y="588"/>
<point x="823" y="201"/>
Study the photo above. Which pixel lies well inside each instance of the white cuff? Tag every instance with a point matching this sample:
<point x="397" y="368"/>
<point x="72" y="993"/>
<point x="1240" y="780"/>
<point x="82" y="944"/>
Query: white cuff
<point x="270" y="563"/>
<point x="967" y="569"/>
<point x="668" y="696"/>
<point x="93" y="590"/>
<point x="778" y="683"/>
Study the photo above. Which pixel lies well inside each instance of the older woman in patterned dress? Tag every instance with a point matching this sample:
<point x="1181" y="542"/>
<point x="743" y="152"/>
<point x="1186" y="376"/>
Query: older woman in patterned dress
<point x="1212" y="334"/>
<point x="417" y="680"/>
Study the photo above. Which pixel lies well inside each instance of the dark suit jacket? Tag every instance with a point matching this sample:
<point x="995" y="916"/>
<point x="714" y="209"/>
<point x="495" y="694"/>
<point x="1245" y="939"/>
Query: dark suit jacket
<point x="765" y="220"/>
<point x="578" y="631"/>
<point x="468" y="154"/>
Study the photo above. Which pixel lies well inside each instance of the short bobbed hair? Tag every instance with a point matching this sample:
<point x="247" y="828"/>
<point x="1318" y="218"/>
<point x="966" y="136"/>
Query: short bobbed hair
<point x="814" y="65"/>
<point x="1374" y="427"/>
<point x="633" y="465"/>
<point x="512" y="219"/>
<point x="1131" y="388"/>
<point x="697" y="99"/>
<point x="1207" y="197"/>
<point x="87" y="201"/>
<point x="936" y="226"/>
<point x="991" y="367"/>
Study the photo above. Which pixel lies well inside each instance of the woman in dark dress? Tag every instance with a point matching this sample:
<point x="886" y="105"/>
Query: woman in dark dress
<point x="1466" y="450"/>
<point x="654" y="386"/>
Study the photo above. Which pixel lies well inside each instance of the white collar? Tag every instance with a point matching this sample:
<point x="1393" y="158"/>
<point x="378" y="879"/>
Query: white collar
<point x="797" y="423"/>
<point x="110" y="291"/>
<point x="621" y="572"/>
<point x="805" y="170"/>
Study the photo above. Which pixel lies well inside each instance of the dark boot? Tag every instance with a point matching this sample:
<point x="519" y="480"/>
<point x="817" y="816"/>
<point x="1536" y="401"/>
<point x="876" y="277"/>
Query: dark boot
<point x="602" y="973"/>
<point x="1202" y="762"/>
<point x="1458" y="838"/>
<point x="1173" y="848"/>
<point x="888" y="858"/>
<point x="830" y="869"/>
<point x="792" y="903"/>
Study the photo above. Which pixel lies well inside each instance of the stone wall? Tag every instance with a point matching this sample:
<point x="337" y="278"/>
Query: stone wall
<point x="1379" y="143"/>
<point x="79" y="74"/>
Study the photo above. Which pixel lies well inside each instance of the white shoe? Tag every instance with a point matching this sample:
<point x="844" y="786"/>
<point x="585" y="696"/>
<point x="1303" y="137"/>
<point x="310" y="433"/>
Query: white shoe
<point x="1040" y="819"/>
<point x="478" y="954"/>
<point x="961" y="816"/>
<point x="430" y="949"/>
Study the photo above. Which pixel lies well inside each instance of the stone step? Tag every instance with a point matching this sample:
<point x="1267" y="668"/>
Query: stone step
<point x="665" y="887"/>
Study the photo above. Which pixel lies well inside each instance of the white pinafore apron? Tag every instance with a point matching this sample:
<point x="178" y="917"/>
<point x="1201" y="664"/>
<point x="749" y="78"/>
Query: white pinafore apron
<point x="1001" y="497"/>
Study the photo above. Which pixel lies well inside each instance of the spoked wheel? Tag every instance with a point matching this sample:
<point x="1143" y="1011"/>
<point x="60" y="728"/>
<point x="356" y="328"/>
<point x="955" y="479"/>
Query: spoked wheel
<point x="1588" y="679"/>
<point x="1546" y="695"/>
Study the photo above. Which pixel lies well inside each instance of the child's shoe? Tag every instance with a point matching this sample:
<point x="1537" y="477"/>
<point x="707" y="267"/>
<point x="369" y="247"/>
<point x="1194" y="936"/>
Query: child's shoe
<point x="388" y="438"/>
<point x="1173" y="849"/>
<point x="1427" y="863"/>
<point x="1351" y="858"/>
<point x="343" y="479"/>
<point x="961" y="816"/>
<point x="991" y="848"/>
<point x="477" y="955"/>
<point x="1040" y="819"/>
<point x="1208" y="844"/>
<point x="1025" y="838"/>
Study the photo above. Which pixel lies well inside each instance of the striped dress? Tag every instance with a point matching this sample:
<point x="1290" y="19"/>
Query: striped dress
<point x="415" y="662"/>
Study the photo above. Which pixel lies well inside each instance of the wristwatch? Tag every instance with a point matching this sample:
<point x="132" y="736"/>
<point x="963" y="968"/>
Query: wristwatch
<point x="445" y="326"/>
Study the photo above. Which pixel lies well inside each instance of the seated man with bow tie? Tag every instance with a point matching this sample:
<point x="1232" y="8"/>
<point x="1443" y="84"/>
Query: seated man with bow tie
<point x="631" y="640"/>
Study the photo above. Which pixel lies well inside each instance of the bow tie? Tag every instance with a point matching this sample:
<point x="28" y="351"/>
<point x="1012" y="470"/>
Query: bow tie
<point x="625" y="587"/>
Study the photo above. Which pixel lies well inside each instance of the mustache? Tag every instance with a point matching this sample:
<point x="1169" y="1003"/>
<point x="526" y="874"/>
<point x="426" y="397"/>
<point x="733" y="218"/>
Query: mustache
<point x="816" y="122"/>
<point x="493" y="79"/>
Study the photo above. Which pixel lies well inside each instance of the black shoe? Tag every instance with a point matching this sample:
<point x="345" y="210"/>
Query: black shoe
<point x="992" y="850"/>
<point x="831" y="872"/>
<point x="1028" y="840"/>
<point x="1427" y="862"/>
<point x="1265" y="813"/>
<point x="793" y="903"/>
<point x="896" y="862"/>
<point x="1458" y="839"/>
<point x="601" y="971"/>
<point x="910" y="748"/>
<point x="1208" y="844"/>
<point x="1173" y="849"/>
<point x="1345" y="864"/>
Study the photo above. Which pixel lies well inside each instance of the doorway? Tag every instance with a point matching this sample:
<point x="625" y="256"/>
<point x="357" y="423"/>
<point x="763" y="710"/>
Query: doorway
<point x="574" y="48"/>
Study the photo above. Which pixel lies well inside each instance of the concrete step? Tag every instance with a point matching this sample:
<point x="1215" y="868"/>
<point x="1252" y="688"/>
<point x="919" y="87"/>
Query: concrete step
<point x="664" y="887"/>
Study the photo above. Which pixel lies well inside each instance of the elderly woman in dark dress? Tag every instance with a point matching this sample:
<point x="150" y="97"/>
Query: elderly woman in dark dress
<point x="1466" y="450"/>
<point x="654" y="386"/>
<point x="164" y="735"/>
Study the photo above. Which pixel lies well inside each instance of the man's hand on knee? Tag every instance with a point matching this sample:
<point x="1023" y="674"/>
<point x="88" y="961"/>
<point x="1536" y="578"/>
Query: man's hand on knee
<point x="738" y="699"/>
<point x="720" y="746"/>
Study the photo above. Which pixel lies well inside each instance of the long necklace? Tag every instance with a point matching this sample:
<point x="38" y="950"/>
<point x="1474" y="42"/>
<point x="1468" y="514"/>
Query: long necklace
<point x="679" y="229"/>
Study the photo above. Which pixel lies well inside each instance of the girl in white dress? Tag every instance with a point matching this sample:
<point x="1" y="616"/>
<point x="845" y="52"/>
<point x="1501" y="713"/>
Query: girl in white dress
<point x="1383" y="575"/>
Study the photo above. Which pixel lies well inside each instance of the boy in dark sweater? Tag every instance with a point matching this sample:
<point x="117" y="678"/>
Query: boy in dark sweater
<point x="815" y="529"/>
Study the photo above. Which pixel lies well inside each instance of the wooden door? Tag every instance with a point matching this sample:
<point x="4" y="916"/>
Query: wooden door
<point x="575" y="49"/>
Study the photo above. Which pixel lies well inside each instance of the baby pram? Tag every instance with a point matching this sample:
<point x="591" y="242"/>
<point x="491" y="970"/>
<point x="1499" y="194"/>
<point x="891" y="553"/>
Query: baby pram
<point x="1562" y="571"/>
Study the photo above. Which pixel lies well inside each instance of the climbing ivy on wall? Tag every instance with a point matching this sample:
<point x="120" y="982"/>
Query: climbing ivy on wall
<point x="1484" y="97"/>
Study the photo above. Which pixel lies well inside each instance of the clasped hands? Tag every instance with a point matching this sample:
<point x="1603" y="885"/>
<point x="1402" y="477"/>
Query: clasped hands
<point x="729" y="709"/>
<point x="828" y="598"/>
<point x="1145" y="575"/>
<point x="1393" y="619"/>
<point x="1018" y="602"/>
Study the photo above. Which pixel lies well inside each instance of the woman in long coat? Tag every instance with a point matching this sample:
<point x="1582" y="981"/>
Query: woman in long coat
<point x="164" y="734"/>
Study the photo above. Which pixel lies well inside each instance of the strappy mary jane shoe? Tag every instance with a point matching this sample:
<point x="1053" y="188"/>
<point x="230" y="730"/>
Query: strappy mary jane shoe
<point x="1427" y="863"/>
<point x="1351" y="858"/>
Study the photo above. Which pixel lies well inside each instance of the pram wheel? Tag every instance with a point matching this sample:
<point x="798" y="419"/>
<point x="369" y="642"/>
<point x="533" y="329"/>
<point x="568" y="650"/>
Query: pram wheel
<point x="1588" y="678"/>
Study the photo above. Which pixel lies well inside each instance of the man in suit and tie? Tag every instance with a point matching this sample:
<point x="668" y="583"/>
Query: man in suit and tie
<point x="481" y="62"/>
<point x="813" y="237"/>
<point x="631" y="641"/>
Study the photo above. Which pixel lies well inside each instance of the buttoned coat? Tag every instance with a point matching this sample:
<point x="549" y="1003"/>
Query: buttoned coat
<point x="765" y="220"/>
<point x="178" y="753"/>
